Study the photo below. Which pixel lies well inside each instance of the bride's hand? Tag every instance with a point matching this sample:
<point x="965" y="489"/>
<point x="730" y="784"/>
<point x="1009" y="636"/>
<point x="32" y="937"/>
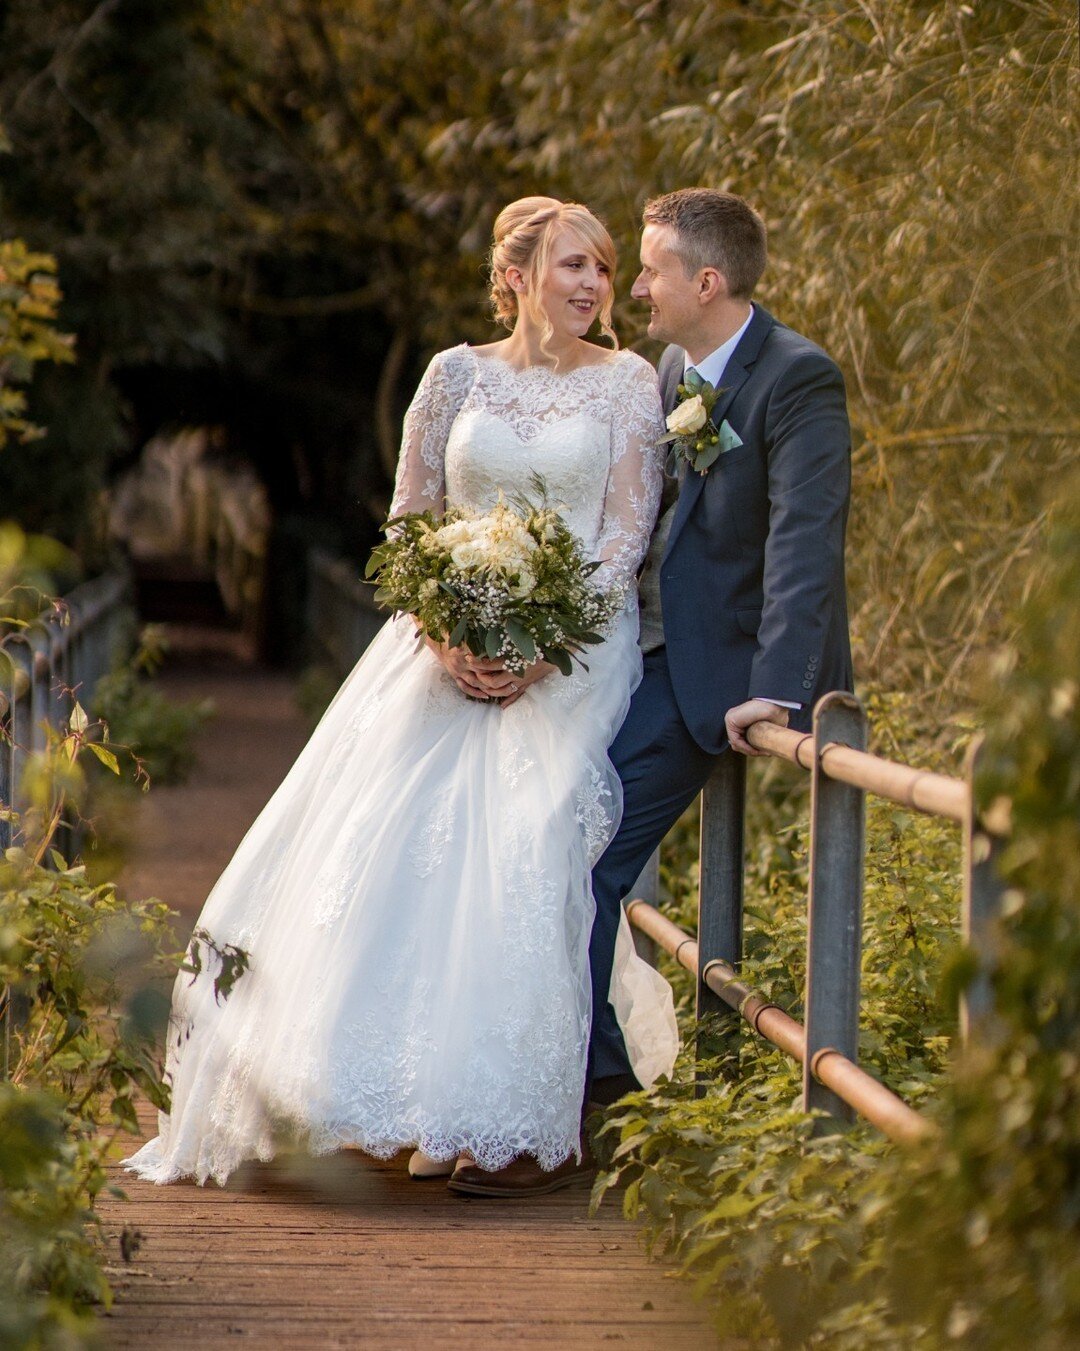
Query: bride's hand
<point x="475" y="677"/>
<point x="482" y="679"/>
<point x="462" y="667"/>
<point x="519" y="684"/>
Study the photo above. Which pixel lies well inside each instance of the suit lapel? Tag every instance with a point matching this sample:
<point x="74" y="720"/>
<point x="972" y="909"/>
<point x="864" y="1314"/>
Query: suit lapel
<point x="736" y="373"/>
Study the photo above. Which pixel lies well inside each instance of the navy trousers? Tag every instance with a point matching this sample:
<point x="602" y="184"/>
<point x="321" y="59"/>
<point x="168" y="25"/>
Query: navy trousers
<point x="662" y="769"/>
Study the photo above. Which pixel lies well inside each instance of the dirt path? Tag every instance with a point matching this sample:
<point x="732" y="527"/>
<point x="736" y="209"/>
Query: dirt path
<point x="346" y="1251"/>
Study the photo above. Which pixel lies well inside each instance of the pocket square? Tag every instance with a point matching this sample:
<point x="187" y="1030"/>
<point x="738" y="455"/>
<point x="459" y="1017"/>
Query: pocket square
<point x="729" y="437"/>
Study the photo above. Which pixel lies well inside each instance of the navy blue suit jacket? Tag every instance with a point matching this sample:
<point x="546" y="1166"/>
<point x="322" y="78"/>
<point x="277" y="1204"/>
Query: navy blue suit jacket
<point x="752" y="579"/>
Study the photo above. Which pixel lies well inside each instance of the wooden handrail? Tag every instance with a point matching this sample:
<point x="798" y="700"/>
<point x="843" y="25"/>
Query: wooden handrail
<point x="871" y="1099"/>
<point x="919" y="789"/>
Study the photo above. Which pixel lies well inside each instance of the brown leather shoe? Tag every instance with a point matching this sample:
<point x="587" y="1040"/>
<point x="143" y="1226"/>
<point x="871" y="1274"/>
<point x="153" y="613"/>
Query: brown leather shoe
<point x="523" y="1177"/>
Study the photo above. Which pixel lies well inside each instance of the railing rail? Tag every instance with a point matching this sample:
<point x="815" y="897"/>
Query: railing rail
<point x="842" y="772"/>
<point x="342" y="617"/>
<point x="43" y="669"/>
<point x="67" y="649"/>
<point x="832" y="1070"/>
<point x="920" y="789"/>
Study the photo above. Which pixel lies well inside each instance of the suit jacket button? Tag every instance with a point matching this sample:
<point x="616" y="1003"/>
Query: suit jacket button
<point x="808" y="684"/>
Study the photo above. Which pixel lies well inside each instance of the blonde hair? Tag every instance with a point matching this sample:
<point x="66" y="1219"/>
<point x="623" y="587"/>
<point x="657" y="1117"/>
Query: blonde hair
<point x="524" y="234"/>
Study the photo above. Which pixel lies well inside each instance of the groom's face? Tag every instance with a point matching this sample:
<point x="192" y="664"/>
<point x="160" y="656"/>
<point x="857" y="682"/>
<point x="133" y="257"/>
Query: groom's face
<point x="672" y="296"/>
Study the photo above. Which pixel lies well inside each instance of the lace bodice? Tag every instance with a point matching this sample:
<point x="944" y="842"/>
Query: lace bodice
<point x="478" y="426"/>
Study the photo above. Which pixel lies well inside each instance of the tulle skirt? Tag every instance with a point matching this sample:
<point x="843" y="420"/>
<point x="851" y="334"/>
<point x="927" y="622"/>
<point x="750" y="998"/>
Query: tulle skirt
<point x="415" y="901"/>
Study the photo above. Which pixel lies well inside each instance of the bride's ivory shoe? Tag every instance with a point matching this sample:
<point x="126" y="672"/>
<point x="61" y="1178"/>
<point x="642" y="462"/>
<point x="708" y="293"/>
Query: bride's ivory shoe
<point x="422" y="1167"/>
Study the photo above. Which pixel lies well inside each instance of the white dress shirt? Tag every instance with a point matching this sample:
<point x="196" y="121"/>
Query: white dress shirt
<point x="713" y="366"/>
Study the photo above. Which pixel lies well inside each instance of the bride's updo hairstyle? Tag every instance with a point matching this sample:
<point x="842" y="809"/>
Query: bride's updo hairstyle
<point x="524" y="234"/>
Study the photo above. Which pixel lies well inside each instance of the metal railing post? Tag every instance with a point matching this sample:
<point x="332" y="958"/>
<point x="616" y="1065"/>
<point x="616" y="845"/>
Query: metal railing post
<point x="8" y="695"/>
<point x="720" y="886"/>
<point x="22" y="711"/>
<point x="41" y="699"/>
<point x="834" y="938"/>
<point x="982" y="908"/>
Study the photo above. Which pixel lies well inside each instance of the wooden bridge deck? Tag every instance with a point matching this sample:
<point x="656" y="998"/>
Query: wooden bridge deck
<point x="349" y="1252"/>
<point x="346" y="1251"/>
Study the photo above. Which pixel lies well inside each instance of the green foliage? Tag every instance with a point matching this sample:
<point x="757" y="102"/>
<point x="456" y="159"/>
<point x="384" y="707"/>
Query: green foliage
<point x="984" y="1242"/>
<point x="342" y="165"/>
<point x="774" y="1223"/>
<point x="111" y="119"/>
<point x="156" y="731"/>
<point x="230" y="960"/>
<point x="83" y="1004"/>
<point x="50" y="1270"/>
<point x="910" y="161"/>
<point x="31" y="567"/>
<point x="841" y="1241"/>
<point x="29" y="300"/>
<point x="81" y="974"/>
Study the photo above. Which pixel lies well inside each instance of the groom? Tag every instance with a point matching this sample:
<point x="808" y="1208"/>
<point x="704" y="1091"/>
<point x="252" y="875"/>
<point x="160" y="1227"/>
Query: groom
<point x="744" y="612"/>
<point x="744" y="615"/>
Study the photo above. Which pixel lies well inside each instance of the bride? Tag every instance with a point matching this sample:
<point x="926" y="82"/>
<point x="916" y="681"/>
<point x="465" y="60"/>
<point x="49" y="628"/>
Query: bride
<point x="415" y="898"/>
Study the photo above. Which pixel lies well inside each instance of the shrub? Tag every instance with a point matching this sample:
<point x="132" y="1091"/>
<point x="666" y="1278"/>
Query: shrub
<point x="984" y="1245"/>
<point x="158" y="732"/>
<point x="81" y="974"/>
<point x="841" y="1240"/>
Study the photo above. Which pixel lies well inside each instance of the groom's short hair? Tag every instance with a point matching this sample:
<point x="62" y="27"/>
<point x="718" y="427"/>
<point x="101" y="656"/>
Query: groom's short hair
<point x="714" y="229"/>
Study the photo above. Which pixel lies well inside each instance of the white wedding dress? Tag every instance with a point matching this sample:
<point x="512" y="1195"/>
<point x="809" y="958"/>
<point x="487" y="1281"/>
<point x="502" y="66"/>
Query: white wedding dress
<point x="415" y="898"/>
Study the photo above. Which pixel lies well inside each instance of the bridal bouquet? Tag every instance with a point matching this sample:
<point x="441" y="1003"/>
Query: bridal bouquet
<point x="510" y="583"/>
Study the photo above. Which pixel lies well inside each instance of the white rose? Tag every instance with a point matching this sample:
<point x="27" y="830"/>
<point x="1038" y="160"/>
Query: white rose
<point x="525" y="583"/>
<point x="467" y="556"/>
<point x="512" y="534"/>
<point x="688" y="417"/>
<point x="457" y="532"/>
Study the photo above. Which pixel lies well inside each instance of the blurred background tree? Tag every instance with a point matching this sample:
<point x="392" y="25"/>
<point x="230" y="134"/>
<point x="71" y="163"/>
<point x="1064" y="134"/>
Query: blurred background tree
<point x="268" y="213"/>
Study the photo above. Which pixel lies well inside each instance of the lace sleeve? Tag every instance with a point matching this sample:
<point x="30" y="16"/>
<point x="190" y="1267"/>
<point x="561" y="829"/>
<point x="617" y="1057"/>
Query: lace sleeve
<point x="420" y="484"/>
<point x="636" y="474"/>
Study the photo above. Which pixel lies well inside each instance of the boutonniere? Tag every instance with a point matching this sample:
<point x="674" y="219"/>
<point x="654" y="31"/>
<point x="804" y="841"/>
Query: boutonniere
<point x="693" y="435"/>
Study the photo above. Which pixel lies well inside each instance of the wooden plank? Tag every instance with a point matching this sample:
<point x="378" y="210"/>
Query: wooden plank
<point x="388" y="1262"/>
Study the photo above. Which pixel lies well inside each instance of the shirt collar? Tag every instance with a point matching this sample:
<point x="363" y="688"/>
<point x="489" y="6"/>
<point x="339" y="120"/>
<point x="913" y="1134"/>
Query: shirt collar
<point x="712" y="367"/>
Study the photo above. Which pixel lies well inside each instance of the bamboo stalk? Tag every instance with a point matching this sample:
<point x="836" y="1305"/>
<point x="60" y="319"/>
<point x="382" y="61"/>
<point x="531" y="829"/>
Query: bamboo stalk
<point x="921" y="790"/>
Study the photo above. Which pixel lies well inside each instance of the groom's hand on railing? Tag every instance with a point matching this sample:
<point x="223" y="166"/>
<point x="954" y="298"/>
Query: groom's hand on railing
<point x="742" y="716"/>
